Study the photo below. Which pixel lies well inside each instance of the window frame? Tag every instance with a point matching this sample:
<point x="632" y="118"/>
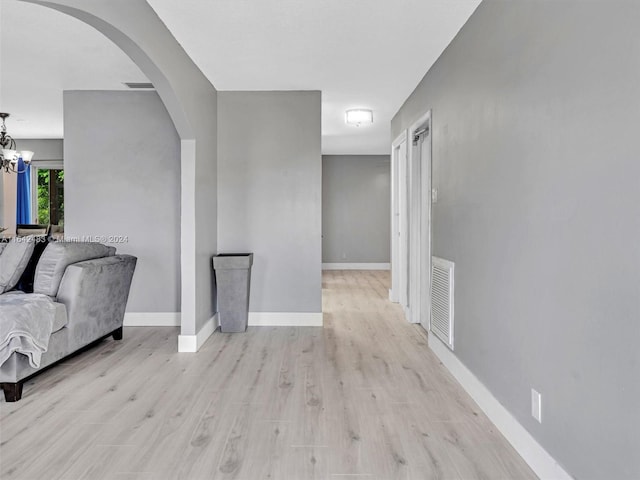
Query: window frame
<point x="43" y="165"/>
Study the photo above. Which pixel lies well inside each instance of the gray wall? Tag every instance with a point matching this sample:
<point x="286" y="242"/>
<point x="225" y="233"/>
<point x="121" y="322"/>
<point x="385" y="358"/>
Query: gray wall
<point x="535" y="155"/>
<point x="8" y="200"/>
<point x="122" y="177"/>
<point x="356" y="206"/>
<point x="42" y="148"/>
<point x="3" y="200"/>
<point x="269" y="194"/>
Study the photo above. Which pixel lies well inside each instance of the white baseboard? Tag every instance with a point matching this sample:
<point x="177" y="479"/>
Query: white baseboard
<point x="152" y="319"/>
<point x="192" y="343"/>
<point x="285" y="319"/>
<point x="356" y="266"/>
<point x="543" y="464"/>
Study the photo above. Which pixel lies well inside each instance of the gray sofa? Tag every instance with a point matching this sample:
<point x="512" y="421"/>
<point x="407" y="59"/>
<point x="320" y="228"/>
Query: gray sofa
<point x="89" y="285"/>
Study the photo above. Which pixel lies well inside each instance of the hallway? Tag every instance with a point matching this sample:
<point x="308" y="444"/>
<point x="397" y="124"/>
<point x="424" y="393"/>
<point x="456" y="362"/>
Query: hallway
<point x="363" y="398"/>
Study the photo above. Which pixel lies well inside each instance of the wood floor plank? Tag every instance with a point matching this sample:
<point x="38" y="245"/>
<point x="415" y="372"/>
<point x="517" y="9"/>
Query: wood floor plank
<point x="362" y="398"/>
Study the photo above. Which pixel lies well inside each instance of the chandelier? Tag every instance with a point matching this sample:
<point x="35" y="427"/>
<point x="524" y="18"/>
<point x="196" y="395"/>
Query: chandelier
<point x="9" y="156"/>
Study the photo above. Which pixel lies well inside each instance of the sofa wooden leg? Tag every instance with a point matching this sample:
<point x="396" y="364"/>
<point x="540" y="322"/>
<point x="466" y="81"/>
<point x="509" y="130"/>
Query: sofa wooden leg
<point x="117" y="334"/>
<point x="12" y="391"/>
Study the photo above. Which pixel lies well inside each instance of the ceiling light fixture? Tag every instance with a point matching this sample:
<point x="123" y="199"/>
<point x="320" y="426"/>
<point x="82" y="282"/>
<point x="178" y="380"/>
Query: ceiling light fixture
<point x="358" y="116"/>
<point x="9" y="156"/>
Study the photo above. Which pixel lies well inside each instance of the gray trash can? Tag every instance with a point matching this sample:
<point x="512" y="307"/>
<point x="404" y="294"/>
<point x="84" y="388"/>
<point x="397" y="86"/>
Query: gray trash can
<point x="233" y="278"/>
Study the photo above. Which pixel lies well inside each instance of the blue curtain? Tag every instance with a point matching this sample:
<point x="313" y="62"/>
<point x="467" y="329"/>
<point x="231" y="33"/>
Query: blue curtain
<point x="23" y="210"/>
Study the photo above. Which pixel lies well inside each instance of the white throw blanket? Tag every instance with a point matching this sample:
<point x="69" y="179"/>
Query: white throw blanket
<point x="26" y="321"/>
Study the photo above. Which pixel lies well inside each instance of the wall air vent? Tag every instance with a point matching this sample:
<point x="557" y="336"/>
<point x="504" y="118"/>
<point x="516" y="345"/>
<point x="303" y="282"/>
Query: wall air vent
<point x="139" y="85"/>
<point x="442" y="300"/>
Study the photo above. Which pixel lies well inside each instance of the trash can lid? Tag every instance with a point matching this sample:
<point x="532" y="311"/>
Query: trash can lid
<point x="232" y="261"/>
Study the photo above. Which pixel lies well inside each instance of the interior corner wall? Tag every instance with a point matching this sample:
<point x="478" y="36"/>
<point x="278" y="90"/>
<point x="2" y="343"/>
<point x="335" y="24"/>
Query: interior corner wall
<point x="122" y="183"/>
<point x="269" y="194"/>
<point x="535" y="109"/>
<point x="356" y="208"/>
<point x="3" y="201"/>
<point x="206" y="201"/>
<point x="43" y="148"/>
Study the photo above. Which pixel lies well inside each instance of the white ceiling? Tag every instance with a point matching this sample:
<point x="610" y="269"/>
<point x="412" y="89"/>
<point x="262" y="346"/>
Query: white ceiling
<point x="359" y="54"/>
<point x="42" y="53"/>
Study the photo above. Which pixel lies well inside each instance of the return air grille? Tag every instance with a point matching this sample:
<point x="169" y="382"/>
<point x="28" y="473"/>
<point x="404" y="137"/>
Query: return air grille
<point x="442" y="300"/>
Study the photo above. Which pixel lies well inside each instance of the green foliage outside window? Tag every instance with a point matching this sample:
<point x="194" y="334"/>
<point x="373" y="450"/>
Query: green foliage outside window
<point x="50" y="196"/>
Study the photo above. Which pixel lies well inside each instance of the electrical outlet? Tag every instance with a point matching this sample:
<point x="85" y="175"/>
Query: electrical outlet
<point x="536" y="405"/>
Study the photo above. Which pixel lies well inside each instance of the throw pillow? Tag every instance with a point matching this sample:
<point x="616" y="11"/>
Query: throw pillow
<point x="26" y="280"/>
<point x="13" y="261"/>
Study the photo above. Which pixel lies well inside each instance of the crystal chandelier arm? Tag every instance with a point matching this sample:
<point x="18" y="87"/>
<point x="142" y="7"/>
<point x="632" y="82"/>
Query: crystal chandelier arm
<point x="5" y="140"/>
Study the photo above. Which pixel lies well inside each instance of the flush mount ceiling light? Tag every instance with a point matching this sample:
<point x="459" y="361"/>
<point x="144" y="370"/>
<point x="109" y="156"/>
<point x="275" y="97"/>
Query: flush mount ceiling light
<point x="9" y="156"/>
<point x="359" y="116"/>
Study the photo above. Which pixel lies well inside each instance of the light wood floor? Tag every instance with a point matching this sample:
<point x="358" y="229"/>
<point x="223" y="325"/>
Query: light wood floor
<point x="361" y="398"/>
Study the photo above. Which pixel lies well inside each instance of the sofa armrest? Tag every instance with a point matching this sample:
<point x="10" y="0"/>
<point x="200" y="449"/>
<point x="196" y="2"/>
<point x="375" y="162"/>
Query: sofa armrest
<point x="95" y="293"/>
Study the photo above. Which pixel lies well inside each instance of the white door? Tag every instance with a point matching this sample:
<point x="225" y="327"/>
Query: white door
<point x="403" y="227"/>
<point x="399" y="222"/>
<point x="415" y="196"/>
<point x="420" y="222"/>
<point x="424" y="145"/>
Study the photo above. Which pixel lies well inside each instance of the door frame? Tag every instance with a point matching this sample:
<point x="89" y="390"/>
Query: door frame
<point x="420" y="222"/>
<point x="399" y="224"/>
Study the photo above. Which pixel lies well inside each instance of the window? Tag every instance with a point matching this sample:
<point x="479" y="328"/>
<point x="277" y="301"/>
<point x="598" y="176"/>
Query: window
<point x="47" y="193"/>
<point x="50" y="196"/>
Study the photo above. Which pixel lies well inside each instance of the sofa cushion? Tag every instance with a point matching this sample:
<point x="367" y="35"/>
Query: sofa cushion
<point x="60" y="320"/>
<point x="13" y="260"/>
<point x="58" y="256"/>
